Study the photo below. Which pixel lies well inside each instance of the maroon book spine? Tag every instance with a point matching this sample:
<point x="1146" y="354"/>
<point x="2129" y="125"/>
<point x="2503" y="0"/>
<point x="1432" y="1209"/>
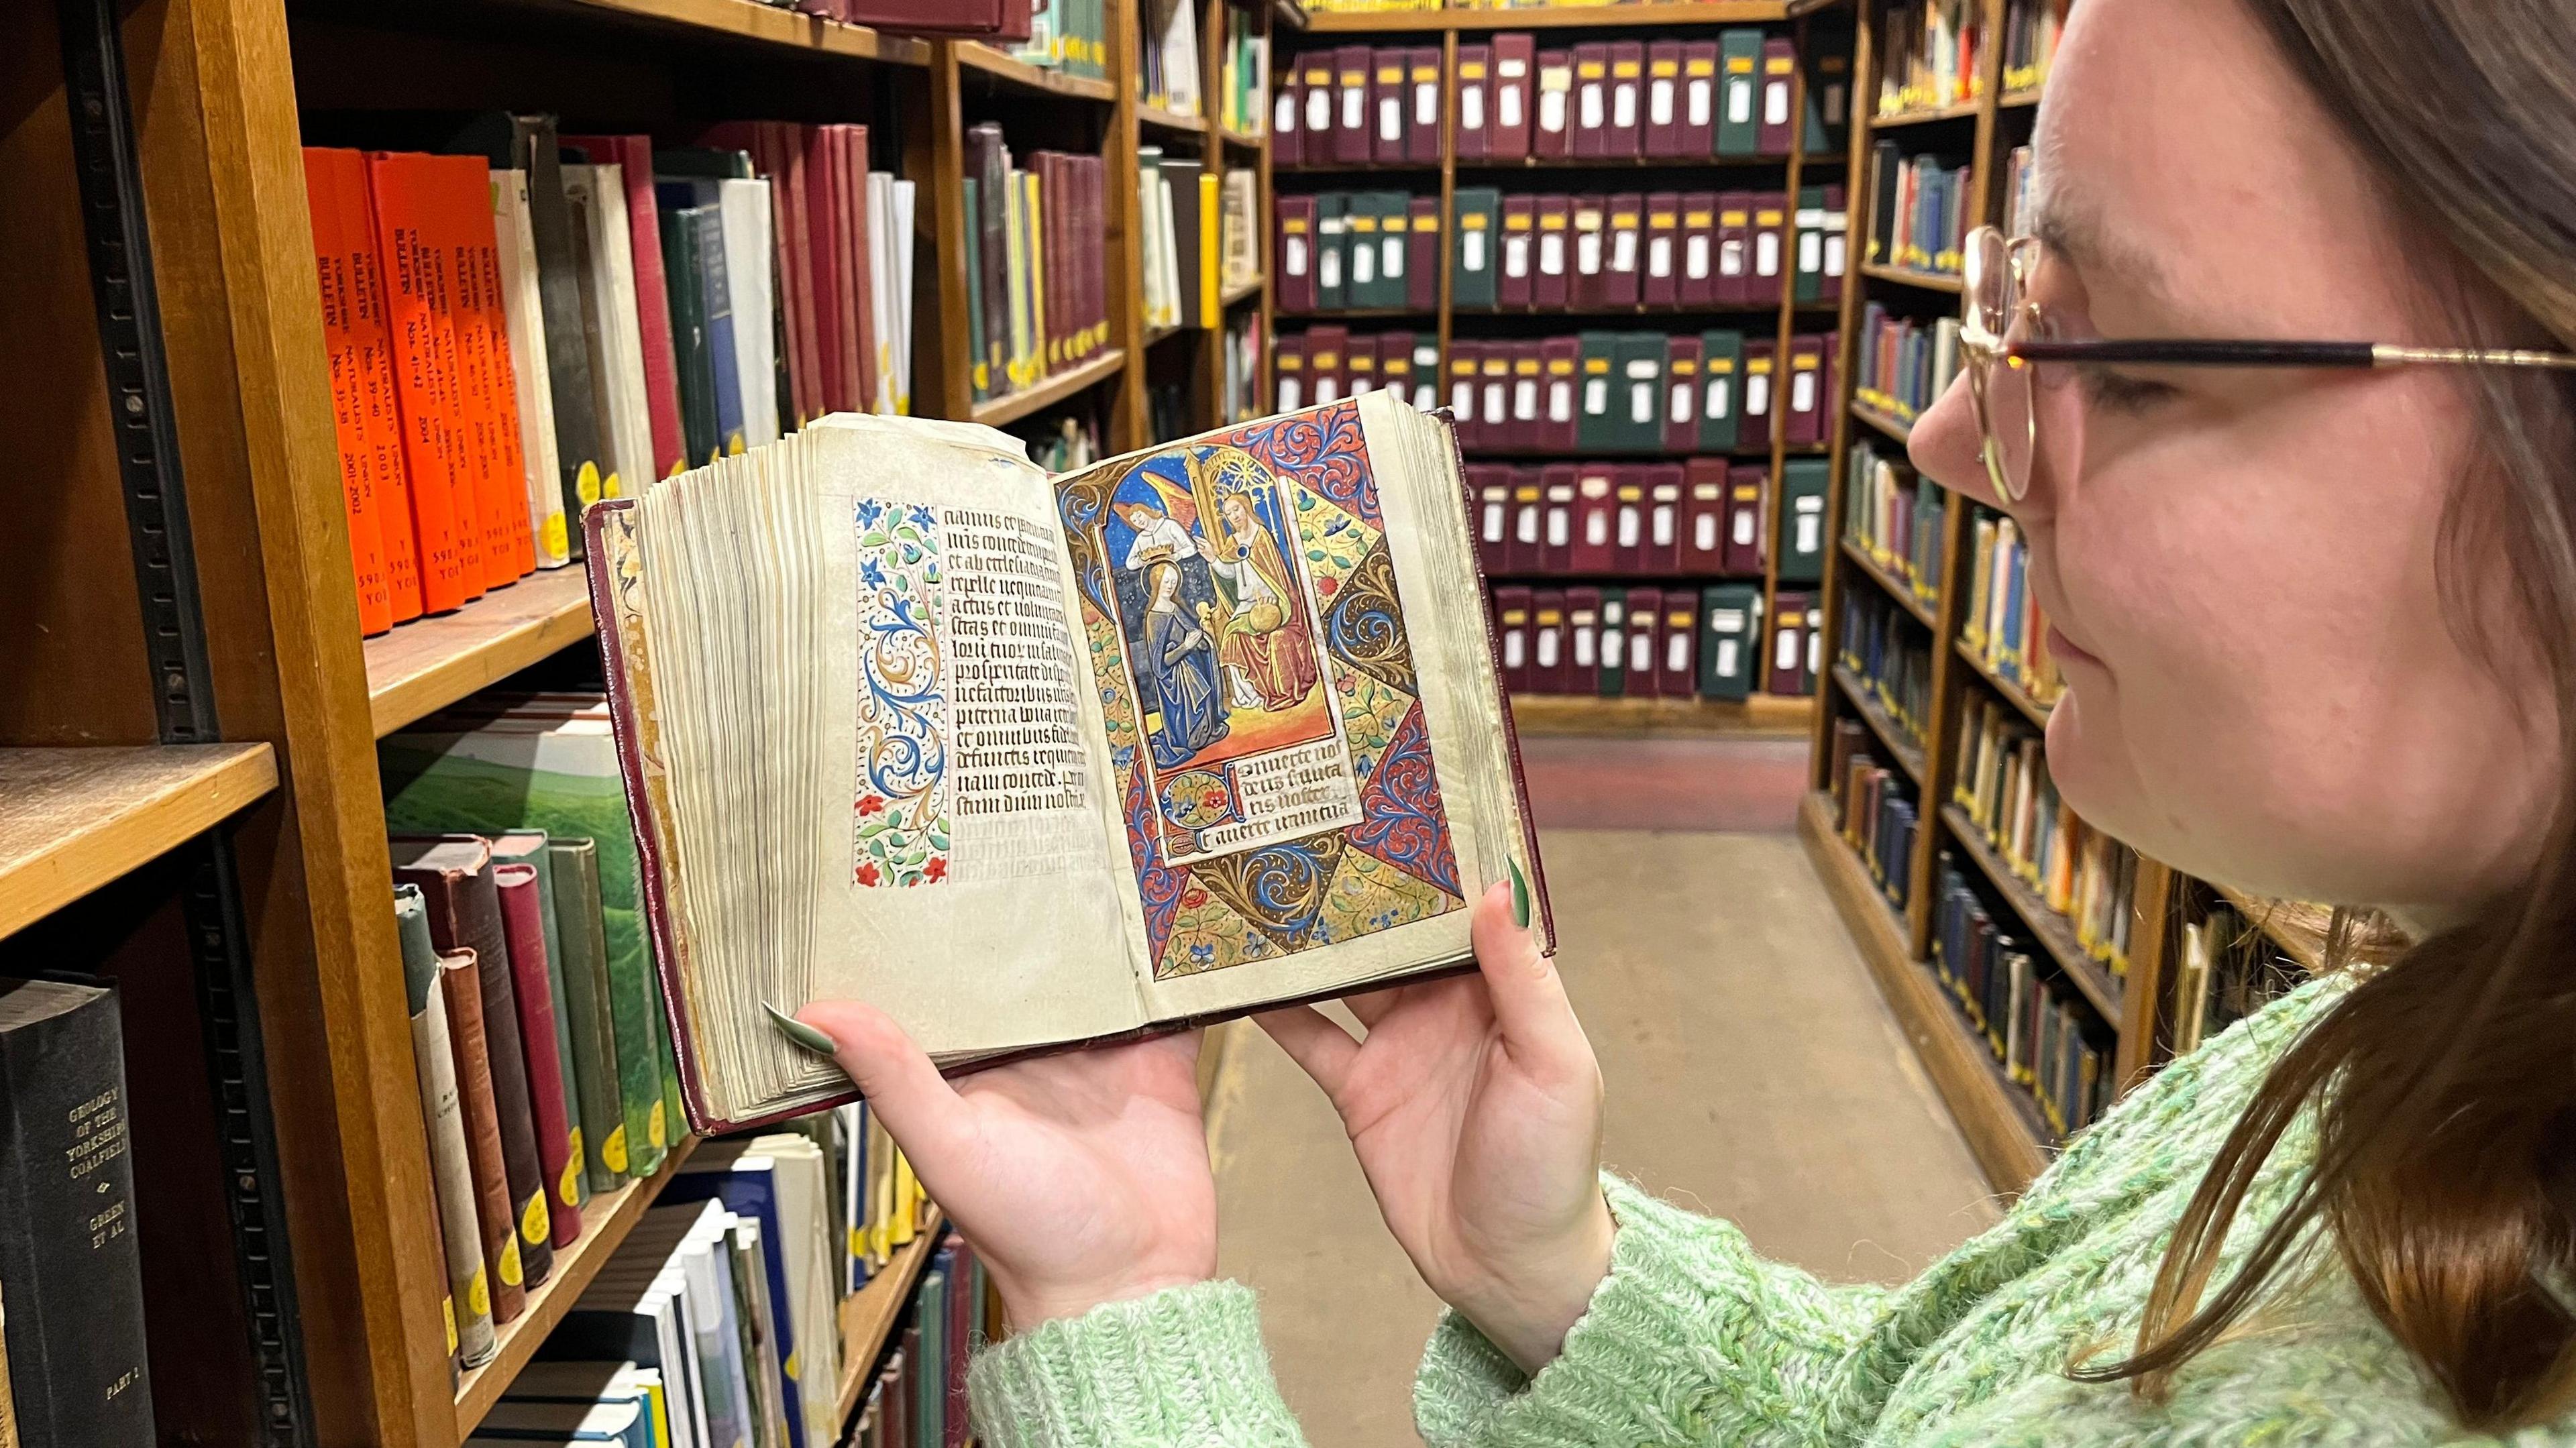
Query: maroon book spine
<point x="559" y="1153"/>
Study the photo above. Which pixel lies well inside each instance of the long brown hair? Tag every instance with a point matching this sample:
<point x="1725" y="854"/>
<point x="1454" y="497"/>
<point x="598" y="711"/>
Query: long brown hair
<point x="2444" y="1083"/>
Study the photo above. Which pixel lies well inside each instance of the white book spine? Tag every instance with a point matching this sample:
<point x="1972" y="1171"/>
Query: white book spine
<point x="524" y="316"/>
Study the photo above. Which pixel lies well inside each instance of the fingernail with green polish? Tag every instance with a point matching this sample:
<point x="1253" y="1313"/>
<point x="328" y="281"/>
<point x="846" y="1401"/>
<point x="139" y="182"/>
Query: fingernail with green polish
<point x="1520" y="896"/>
<point x="799" y="1032"/>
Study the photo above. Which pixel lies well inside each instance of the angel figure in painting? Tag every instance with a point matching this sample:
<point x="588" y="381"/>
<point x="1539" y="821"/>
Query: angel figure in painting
<point x="1263" y="641"/>
<point x="1181" y="674"/>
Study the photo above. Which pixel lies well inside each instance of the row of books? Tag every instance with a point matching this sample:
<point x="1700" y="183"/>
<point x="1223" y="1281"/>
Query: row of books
<point x="1357" y="250"/>
<point x="1062" y="442"/>
<point x="1731" y="97"/>
<point x="2225" y="970"/>
<point x="1070" y="36"/>
<point x="1919" y="214"/>
<point x="1892" y="657"/>
<point x="1875" y="809"/>
<point x="1037" y="284"/>
<point x="1699" y="517"/>
<point x="1243" y="74"/>
<point x="1198" y="237"/>
<point x="2079" y="872"/>
<point x="1327" y="364"/>
<point x="1167" y="57"/>
<point x="531" y="323"/>
<point x="2044" y="1032"/>
<point x="1660" y="249"/>
<point x="2003" y="626"/>
<point x="1903" y="365"/>
<point x="2031" y="31"/>
<point x="918" y="1397"/>
<point x="1239" y="388"/>
<point x="1894" y="515"/>
<point x="1615" y="642"/>
<point x="1929" y="55"/>
<point x="1640" y="392"/>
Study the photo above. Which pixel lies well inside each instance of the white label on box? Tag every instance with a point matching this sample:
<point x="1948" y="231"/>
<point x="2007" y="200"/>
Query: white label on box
<point x="1296" y="259"/>
<point x="1426" y="104"/>
<point x="1471" y="108"/>
<point x="1775" y="103"/>
<point x="1587" y="253"/>
<point x="1507" y="106"/>
<point x="1560" y="400"/>
<point x="1623" y="251"/>
<point x="1810" y="533"/>
<point x="1319" y="111"/>
<point x="1462" y="401"/>
<point x="1757" y="394"/>
<point x="1592" y="106"/>
<point x="1354" y="108"/>
<point x="1786" y="655"/>
<point x="1583" y="641"/>
<point x="1766" y="254"/>
<point x="1551" y="253"/>
<point x="1727" y="649"/>
<point x="1425" y="397"/>
<point x="1529" y="525"/>
<point x="1511" y="648"/>
<point x="1695" y="256"/>
<point x="1547" y="648"/>
<point x="1392" y="249"/>
<point x="1363" y="386"/>
<point x="1325" y="391"/>
<point x="1559" y="528"/>
<point x="1641" y="653"/>
<point x="1811" y="251"/>
<point x="1525" y="400"/>
<point x="1659" y="256"/>
<point x="1516" y="254"/>
<point x="1493" y="523"/>
<point x="1495" y="408"/>
<point x="1390" y="119"/>
<point x="1330" y="273"/>
<point x="1834" y="254"/>
<point x="1677" y="652"/>
<point x="1551" y="111"/>
<point x="1659" y="103"/>
<point x="1721" y="398"/>
<point x="1743" y="529"/>
<point x="1730" y="257"/>
<point x="1623" y="105"/>
<point x="1363" y="265"/>
<point x="1802" y="392"/>
<point x="1641" y="402"/>
<point x="1286" y="113"/>
<point x="1704" y="533"/>
<point x="1681" y="402"/>
<point x="1627" y="527"/>
<point x="1289" y="394"/>
<point x="1596" y="397"/>
<point x="1471" y="251"/>
<point x="1697" y="103"/>
<point x="1596" y="529"/>
<point x="1663" y="525"/>
<point x="1739" y="102"/>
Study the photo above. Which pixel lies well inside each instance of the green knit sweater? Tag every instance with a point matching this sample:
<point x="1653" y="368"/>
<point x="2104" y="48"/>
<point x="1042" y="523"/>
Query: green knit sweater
<point x="1693" y="1339"/>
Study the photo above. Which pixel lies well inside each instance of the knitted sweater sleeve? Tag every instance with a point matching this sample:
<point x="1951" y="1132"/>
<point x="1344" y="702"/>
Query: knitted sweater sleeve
<point x="1180" y="1369"/>
<point x="1692" y="1338"/>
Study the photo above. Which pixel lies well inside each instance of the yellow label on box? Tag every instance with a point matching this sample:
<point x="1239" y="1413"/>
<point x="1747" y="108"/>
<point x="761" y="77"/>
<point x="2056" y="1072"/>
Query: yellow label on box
<point x="534" y="1224"/>
<point x="612" y="1150"/>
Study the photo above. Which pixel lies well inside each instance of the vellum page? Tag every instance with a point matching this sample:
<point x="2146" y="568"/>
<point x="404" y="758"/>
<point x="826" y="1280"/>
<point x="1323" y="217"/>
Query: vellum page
<point x="1288" y="646"/>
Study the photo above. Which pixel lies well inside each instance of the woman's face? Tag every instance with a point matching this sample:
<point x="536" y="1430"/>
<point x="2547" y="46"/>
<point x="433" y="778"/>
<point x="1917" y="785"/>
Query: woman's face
<point x="2263" y="684"/>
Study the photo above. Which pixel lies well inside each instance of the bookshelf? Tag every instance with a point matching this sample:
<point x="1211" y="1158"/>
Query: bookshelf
<point x="1566" y="25"/>
<point x="2009" y="1136"/>
<point x="309" y="1159"/>
<point x="868" y="1315"/>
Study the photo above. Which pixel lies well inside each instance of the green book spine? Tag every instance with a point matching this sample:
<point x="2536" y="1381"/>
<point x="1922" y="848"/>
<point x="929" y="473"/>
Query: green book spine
<point x="1637" y="394"/>
<point x="571" y="873"/>
<point x="1808" y="234"/>
<point x="1332" y="257"/>
<point x="1739" y="92"/>
<point x="681" y="267"/>
<point x="1802" y="520"/>
<point x="1721" y="389"/>
<point x="1728" y="612"/>
<point x="529" y="848"/>
<point x="1471" y="274"/>
<point x="979" y="374"/>
<point x="1614" y="642"/>
<point x="1596" y="427"/>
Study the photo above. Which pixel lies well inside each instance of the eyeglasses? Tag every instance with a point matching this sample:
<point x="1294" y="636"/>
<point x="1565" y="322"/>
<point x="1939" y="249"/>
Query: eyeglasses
<point x="2004" y="335"/>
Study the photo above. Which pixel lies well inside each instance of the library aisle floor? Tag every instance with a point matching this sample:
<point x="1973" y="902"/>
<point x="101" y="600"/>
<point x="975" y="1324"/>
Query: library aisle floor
<point x="1753" y="1072"/>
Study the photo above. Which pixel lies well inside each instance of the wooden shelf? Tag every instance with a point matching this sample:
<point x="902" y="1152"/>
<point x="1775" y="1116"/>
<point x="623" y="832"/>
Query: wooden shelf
<point x="2054" y="932"/>
<point x="743" y="20"/>
<point x="1576" y="714"/>
<point x="1906" y="748"/>
<point x="72" y="820"/>
<point x="2020" y="698"/>
<point x="1658" y="314"/>
<point x="1171" y="120"/>
<point x="2018" y="100"/>
<point x="1248" y="140"/>
<point x="1357" y="313"/>
<point x="1900" y="430"/>
<point x="1163" y="334"/>
<point x="1958" y="112"/>
<point x="1934" y="281"/>
<point x="2000" y="1120"/>
<point x="868" y="1315"/>
<point x="1895" y="587"/>
<point x="605" y="1221"/>
<point x="1013" y="406"/>
<point x="1351" y="168"/>
<point x="1626" y="163"/>
<point x="427" y="664"/>
<point x="1239" y="292"/>
<point x="1289" y="13"/>
<point x="974" y="55"/>
<point x="1558" y="17"/>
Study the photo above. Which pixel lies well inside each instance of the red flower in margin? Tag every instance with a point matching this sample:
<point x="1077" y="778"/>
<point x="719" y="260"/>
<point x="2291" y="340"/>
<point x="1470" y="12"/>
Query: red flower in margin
<point x="871" y="804"/>
<point x="867" y="872"/>
<point x="936" y="870"/>
<point x="1325" y="586"/>
<point x="1193" y="898"/>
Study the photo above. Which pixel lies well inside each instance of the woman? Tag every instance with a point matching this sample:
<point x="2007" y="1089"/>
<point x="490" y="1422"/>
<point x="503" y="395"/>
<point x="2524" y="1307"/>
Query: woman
<point x="1183" y="662"/>
<point x="2316" y="625"/>
<point x="1265" y="636"/>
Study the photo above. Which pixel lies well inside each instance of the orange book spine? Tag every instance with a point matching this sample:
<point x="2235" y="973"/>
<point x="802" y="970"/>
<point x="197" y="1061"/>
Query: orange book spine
<point x="483" y="256"/>
<point x="357" y="487"/>
<point x="460" y="210"/>
<point x="462" y="382"/>
<point x="450" y="569"/>
<point x="379" y="411"/>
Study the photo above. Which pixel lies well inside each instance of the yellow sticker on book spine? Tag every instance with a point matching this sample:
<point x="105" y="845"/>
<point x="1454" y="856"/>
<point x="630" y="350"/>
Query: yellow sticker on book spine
<point x="585" y="484"/>
<point x="568" y="1189"/>
<point x="556" y="540"/>
<point x="511" y="1275"/>
<point x="612" y="1149"/>
<point x="478" y="1292"/>
<point x="447" y="1310"/>
<point x="534" y="1224"/>
<point x="653" y="1130"/>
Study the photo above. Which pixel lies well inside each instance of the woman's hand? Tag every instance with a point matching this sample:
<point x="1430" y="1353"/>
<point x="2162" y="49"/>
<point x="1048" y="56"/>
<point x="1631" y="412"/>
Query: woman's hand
<point x="1081" y="1178"/>
<point x="1475" y="1106"/>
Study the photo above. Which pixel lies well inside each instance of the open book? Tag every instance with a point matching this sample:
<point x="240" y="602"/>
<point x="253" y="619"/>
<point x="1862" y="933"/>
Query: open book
<point x="1027" y="760"/>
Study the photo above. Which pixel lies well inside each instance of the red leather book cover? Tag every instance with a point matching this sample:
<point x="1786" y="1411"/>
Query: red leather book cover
<point x="442" y="507"/>
<point x="1589" y="218"/>
<point x="1813" y="664"/>
<point x="1395" y="363"/>
<point x="1832" y="384"/>
<point x="1627" y="95"/>
<point x="1745" y="485"/>
<point x="1512" y="628"/>
<point x="1591" y="100"/>
<point x="1662" y="550"/>
<point x="633" y="156"/>
<point x="1422" y="253"/>
<point x="1495" y="375"/>
<point x="1779" y="86"/>
<point x="1515" y="83"/>
<point x="1663" y="133"/>
<point x="1761" y="395"/>
<point x="1559" y="418"/>
<point x="1552" y="119"/>
<point x="849" y="145"/>
<point x="559" y="1150"/>
<point x="1770" y="279"/>
<point x="1734" y="249"/>
<point x="1529" y="521"/>
<point x="1463" y="393"/>
<point x="379" y="409"/>
<point x="1287" y="114"/>
<point x="1703" y="542"/>
<point x="1390" y="104"/>
<point x="1697" y="133"/>
<point x="1422" y="124"/>
<point x="1595" y="516"/>
<point x="1628" y="513"/>
<point x="1547" y="641"/>
<point x="1351" y="96"/>
<point x="1529" y="395"/>
<point x="825" y="204"/>
<point x="1699" y="240"/>
<point x="1318" y="83"/>
<point x="1680" y="661"/>
<point x="1623" y="228"/>
<point x="1645" y="630"/>
<point x="1492" y="483"/>
<point x="1659" y="279"/>
<point x="1550" y="277"/>
<point x="1785" y="673"/>
<point x="1359" y="365"/>
<point x="1288" y="372"/>
<point x="1296" y="252"/>
<point x="1520" y="253"/>
<point x="1325" y="347"/>
<point x="1556" y="535"/>
<point x="1582" y="640"/>
<point x="1803" y="424"/>
<point x="357" y="484"/>
<point x="1475" y="118"/>
<point x="1681" y="393"/>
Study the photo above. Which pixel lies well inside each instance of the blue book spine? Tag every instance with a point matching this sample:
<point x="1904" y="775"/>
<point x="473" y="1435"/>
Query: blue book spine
<point x="716" y="291"/>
